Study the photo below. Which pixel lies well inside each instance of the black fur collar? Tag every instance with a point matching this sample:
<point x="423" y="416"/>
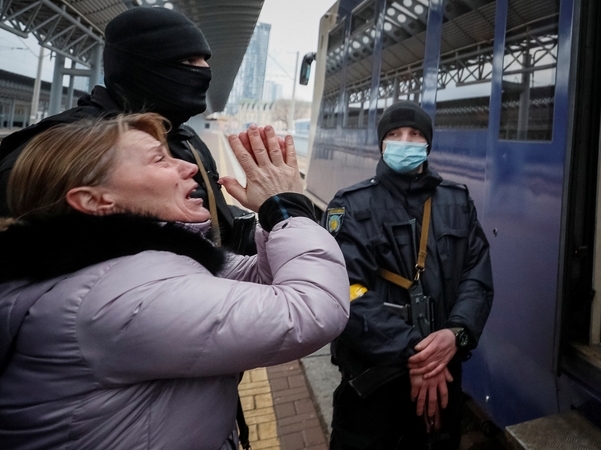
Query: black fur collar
<point x="42" y="249"/>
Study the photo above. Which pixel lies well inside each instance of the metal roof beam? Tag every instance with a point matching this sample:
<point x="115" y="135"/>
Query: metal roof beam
<point x="77" y="22"/>
<point x="53" y="26"/>
<point x="75" y="29"/>
<point x="19" y="16"/>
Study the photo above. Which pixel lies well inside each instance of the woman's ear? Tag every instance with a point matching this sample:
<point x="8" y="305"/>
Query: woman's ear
<point x="91" y="200"/>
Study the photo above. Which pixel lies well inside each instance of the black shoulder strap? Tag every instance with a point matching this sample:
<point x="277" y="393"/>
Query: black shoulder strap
<point x="26" y="298"/>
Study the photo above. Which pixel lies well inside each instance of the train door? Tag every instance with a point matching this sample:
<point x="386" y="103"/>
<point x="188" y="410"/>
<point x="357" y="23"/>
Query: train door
<point x="503" y="108"/>
<point x="579" y="352"/>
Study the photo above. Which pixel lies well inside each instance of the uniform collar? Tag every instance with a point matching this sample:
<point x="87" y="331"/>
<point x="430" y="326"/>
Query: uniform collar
<point x="420" y="184"/>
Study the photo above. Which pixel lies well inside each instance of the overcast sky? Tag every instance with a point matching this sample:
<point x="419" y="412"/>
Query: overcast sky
<point x="294" y="28"/>
<point x="21" y="55"/>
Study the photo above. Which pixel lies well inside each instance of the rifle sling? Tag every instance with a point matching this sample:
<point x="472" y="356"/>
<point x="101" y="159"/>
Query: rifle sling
<point x="421" y="257"/>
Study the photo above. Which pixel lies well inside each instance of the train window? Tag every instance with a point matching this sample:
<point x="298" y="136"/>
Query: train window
<point x="406" y="19"/>
<point x="529" y="68"/>
<point x="357" y="105"/>
<point x="403" y="45"/>
<point x="331" y="90"/>
<point x="362" y="16"/>
<point x="465" y="69"/>
<point x="329" y="115"/>
<point x="335" y="50"/>
<point x="359" y="60"/>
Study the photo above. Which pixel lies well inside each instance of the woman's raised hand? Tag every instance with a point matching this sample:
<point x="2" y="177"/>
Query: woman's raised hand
<point x="269" y="163"/>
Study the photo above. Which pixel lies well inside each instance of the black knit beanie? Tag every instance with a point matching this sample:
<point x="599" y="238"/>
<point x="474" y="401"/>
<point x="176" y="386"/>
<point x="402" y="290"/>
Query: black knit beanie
<point x="158" y="33"/>
<point x="405" y="114"/>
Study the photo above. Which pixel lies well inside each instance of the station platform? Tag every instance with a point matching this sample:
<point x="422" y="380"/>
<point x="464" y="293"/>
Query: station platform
<point x="289" y="407"/>
<point x="279" y="410"/>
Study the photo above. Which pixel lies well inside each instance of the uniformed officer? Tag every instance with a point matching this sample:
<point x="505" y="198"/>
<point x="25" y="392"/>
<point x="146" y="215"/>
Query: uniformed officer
<point x="421" y="291"/>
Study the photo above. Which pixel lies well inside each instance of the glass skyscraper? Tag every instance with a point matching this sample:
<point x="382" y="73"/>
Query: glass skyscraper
<point x="248" y="84"/>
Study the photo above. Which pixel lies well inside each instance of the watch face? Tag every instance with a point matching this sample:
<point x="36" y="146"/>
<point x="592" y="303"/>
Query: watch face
<point x="462" y="339"/>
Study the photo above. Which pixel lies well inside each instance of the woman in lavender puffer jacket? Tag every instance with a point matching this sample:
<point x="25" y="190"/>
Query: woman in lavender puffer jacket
<point x="121" y="327"/>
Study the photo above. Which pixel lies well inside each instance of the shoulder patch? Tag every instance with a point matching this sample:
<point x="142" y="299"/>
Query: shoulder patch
<point x="334" y="217"/>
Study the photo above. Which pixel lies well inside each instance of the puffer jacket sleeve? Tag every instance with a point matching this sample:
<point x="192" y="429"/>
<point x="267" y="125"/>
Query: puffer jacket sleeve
<point x="159" y="315"/>
<point x="250" y="268"/>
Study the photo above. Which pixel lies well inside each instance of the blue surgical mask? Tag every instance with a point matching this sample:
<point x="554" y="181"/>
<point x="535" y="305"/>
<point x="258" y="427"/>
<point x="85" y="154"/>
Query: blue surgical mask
<point x="405" y="157"/>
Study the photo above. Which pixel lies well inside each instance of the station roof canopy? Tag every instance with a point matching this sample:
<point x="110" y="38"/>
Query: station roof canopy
<point x="74" y="27"/>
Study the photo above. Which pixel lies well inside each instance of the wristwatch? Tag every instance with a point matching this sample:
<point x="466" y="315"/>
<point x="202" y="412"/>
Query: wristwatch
<point x="461" y="337"/>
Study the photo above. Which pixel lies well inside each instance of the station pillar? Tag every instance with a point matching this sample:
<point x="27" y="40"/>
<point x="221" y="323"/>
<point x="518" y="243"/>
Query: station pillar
<point x="96" y="66"/>
<point x="56" y="91"/>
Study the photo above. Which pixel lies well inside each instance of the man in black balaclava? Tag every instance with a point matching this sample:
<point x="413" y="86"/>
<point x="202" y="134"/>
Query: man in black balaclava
<point x="155" y="60"/>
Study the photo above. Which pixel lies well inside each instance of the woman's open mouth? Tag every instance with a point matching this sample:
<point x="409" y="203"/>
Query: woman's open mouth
<point x="191" y="192"/>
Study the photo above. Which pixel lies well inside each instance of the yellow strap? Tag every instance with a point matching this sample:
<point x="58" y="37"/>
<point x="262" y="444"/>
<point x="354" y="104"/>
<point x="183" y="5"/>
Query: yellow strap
<point x="210" y="194"/>
<point x="394" y="278"/>
<point x="423" y="242"/>
<point x="421" y="256"/>
<point x="357" y="290"/>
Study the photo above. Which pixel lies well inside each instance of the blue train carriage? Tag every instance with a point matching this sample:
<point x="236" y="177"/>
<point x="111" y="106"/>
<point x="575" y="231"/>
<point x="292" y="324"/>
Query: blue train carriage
<point x="512" y="87"/>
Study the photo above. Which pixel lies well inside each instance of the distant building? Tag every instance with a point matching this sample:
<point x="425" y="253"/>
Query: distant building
<point x="16" y="93"/>
<point x="272" y="91"/>
<point x="249" y="82"/>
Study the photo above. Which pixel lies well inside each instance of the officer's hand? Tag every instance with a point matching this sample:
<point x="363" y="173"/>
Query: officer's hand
<point x="269" y="171"/>
<point x="429" y="393"/>
<point x="435" y="352"/>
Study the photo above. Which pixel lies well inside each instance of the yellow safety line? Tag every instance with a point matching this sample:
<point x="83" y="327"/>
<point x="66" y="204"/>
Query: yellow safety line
<point x="259" y="412"/>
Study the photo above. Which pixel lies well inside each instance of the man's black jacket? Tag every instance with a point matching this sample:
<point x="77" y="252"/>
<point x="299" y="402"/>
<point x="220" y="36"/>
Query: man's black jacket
<point x="100" y="104"/>
<point x="380" y="228"/>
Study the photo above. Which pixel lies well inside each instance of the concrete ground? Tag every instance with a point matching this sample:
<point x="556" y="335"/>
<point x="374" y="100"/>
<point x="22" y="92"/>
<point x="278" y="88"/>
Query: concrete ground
<point x="322" y="378"/>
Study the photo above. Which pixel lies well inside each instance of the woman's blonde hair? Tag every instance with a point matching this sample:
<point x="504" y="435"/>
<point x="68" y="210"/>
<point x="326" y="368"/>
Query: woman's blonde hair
<point x="69" y="156"/>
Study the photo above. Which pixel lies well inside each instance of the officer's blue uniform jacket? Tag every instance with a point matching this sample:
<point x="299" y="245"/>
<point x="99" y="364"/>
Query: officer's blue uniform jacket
<point x="377" y="223"/>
